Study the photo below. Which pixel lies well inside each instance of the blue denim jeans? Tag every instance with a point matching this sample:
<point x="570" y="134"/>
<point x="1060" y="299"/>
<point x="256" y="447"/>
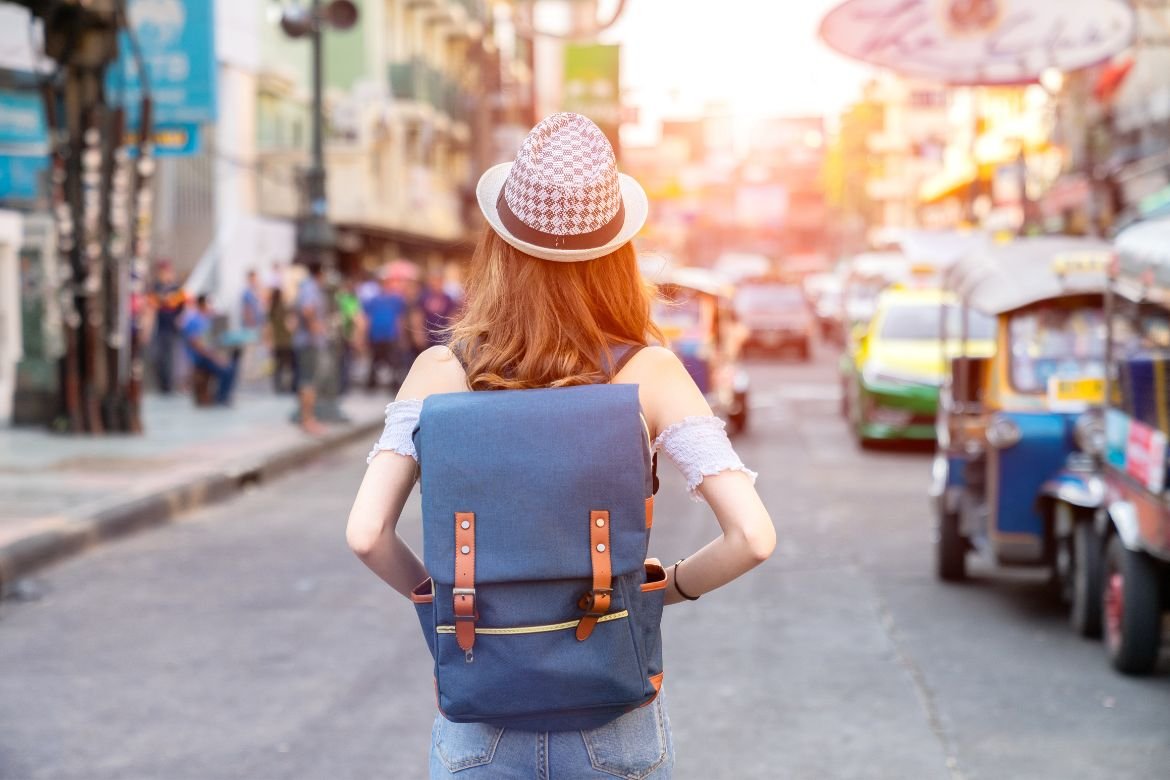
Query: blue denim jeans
<point x="636" y="746"/>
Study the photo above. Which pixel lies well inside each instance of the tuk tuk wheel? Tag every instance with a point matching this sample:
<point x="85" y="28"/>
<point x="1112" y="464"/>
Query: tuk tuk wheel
<point x="1131" y="608"/>
<point x="950" y="548"/>
<point x="1085" y="603"/>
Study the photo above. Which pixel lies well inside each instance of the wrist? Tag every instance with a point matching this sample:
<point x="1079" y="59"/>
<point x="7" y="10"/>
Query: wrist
<point x="678" y="589"/>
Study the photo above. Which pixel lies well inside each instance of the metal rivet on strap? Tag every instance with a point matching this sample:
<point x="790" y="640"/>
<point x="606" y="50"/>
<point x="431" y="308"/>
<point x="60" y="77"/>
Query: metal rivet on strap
<point x="465" y="525"/>
<point x="465" y="549"/>
<point x="601" y="548"/>
<point x="600" y="523"/>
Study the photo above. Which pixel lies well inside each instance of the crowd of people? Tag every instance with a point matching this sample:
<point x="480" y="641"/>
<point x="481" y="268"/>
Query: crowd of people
<point x="280" y="331"/>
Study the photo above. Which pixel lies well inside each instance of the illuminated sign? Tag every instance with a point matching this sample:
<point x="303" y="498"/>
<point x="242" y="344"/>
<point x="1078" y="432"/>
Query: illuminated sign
<point x="979" y="41"/>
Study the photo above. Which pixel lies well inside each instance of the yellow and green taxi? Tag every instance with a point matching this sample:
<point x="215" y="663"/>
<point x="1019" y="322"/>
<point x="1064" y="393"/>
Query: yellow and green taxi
<point x="892" y="373"/>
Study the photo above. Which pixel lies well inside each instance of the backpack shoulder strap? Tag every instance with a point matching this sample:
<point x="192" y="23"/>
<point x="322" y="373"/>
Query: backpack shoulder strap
<point x="623" y="353"/>
<point x="626" y="353"/>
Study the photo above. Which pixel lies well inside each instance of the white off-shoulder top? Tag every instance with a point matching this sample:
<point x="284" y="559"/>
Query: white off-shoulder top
<point x="697" y="446"/>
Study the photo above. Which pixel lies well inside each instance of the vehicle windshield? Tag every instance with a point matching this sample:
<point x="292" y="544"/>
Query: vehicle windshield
<point x="861" y="299"/>
<point x="922" y="321"/>
<point x="1056" y="342"/>
<point x="764" y="298"/>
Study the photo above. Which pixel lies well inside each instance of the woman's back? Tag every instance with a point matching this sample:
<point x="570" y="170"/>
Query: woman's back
<point x="552" y="291"/>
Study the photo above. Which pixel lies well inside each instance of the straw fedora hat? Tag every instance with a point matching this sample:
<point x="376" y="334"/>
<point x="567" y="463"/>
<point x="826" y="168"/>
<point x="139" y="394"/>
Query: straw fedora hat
<point x="563" y="198"/>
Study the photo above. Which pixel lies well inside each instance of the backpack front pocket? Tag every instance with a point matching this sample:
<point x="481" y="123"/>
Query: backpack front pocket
<point x="539" y="668"/>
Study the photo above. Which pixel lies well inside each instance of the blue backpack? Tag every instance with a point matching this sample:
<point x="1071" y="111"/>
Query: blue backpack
<point x="542" y="612"/>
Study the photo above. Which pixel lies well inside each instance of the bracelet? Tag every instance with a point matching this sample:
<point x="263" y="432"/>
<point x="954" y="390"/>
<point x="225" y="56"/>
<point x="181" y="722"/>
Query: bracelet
<point x="681" y="592"/>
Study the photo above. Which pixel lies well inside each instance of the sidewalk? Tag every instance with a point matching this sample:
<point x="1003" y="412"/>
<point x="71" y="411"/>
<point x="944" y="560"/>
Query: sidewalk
<point x="61" y="494"/>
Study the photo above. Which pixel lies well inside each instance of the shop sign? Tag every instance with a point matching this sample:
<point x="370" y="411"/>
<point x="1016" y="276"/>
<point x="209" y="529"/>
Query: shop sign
<point x="592" y="86"/>
<point x="22" y="119"/>
<point x="20" y="175"/>
<point x="177" y="38"/>
<point x="970" y="42"/>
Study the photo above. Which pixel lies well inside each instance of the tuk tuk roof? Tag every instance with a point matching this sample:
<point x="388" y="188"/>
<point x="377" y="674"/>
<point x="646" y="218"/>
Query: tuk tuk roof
<point x="1000" y="278"/>
<point x="1143" y="253"/>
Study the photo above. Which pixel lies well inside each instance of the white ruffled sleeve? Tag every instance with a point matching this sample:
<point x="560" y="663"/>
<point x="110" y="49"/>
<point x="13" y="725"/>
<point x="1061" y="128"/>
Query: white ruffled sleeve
<point x="398" y="435"/>
<point x="699" y="447"/>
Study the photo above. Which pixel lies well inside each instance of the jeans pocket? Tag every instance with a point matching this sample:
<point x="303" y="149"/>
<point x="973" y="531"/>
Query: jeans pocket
<point x="631" y="747"/>
<point x="462" y="746"/>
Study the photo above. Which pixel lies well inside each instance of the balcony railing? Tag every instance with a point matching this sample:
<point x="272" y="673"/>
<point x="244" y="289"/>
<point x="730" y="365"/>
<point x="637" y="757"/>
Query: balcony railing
<point x="420" y="82"/>
<point x="407" y="81"/>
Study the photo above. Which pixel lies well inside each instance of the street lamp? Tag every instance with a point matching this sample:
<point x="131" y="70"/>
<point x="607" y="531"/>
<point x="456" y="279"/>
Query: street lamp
<point x="315" y="237"/>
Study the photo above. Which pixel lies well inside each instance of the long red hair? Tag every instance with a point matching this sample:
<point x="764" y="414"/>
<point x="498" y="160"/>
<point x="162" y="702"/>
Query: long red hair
<point x="539" y="323"/>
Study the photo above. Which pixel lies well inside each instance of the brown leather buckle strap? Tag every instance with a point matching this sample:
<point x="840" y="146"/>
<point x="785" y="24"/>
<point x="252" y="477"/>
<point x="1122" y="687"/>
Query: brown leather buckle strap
<point x="596" y="602"/>
<point x="464" y="591"/>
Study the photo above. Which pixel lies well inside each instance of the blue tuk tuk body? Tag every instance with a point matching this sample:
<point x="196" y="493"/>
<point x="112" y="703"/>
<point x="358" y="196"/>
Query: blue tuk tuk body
<point x="1015" y="429"/>
<point x="1131" y="546"/>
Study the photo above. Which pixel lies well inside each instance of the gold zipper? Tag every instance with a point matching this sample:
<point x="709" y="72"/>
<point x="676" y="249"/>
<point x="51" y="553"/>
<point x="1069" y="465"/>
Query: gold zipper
<point x="534" y="629"/>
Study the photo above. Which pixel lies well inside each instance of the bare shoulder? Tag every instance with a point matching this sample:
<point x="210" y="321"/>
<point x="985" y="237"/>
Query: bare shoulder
<point x="434" y="371"/>
<point x="665" y="387"/>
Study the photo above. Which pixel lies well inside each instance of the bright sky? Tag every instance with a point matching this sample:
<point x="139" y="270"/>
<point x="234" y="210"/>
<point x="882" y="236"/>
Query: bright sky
<point x="761" y="56"/>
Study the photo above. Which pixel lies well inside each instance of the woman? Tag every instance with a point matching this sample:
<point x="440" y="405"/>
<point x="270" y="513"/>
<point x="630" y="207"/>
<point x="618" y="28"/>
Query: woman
<point x="554" y="298"/>
<point x="284" y="368"/>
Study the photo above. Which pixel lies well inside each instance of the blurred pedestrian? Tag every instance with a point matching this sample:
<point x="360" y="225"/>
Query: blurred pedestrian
<point x="414" y="328"/>
<point x="252" y="302"/>
<point x="349" y="310"/>
<point x="204" y="355"/>
<point x="438" y="308"/>
<point x="555" y="299"/>
<point x="384" y="320"/>
<point x="167" y="301"/>
<point x="248" y="337"/>
<point x="280" y="335"/>
<point x="369" y="288"/>
<point x="310" y="339"/>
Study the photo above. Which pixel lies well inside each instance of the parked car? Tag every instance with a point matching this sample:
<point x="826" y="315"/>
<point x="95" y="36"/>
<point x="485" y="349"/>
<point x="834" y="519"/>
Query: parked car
<point x="1018" y="428"/>
<point x="776" y="316"/>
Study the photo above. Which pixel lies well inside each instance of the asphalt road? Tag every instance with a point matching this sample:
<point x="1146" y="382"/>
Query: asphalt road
<point x="246" y="642"/>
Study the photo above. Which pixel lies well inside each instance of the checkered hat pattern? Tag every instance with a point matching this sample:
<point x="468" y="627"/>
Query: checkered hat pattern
<point x="565" y="180"/>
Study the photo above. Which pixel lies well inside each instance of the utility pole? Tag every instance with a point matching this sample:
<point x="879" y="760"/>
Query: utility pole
<point x="315" y="237"/>
<point x="96" y="195"/>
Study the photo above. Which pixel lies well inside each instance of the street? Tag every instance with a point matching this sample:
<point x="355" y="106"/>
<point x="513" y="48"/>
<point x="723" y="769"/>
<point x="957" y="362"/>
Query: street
<point x="245" y="641"/>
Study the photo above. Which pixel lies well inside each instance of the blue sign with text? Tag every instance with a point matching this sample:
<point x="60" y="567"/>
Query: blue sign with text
<point x="20" y="176"/>
<point x="22" y="119"/>
<point x="177" y="38"/>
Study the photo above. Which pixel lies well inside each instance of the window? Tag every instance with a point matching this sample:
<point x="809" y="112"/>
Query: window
<point x="1141" y="352"/>
<point x="1053" y="341"/>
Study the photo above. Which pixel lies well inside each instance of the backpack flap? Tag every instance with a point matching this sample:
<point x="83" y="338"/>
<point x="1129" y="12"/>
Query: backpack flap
<point x="534" y="467"/>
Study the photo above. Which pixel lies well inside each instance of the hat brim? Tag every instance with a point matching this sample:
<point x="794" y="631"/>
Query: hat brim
<point x="637" y="207"/>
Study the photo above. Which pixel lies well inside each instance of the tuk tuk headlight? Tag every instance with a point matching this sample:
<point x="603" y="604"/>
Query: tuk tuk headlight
<point x="1089" y="433"/>
<point x="1002" y="432"/>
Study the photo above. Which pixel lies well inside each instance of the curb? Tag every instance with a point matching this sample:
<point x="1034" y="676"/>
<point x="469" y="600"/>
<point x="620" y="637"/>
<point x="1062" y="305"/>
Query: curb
<point x="72" y="534"/>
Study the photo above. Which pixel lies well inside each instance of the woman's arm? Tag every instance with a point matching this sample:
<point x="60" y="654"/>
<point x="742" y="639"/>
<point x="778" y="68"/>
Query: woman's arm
<point x="669" y="396"/>
<point x="373" y="521"/>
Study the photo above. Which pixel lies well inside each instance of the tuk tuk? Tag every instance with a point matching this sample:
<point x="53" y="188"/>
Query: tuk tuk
<point x="1129" y="545"/>
<point x="695" y="311"/>
<point x="1017" y="428"/>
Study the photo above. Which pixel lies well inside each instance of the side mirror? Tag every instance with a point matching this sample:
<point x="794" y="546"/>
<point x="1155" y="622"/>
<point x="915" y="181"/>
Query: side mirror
<point x="967" y="381"/>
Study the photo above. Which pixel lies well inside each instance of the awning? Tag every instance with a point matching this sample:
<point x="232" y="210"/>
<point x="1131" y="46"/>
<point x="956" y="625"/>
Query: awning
<point x="1110" y="79"/>
<point x="947" y="184"/>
